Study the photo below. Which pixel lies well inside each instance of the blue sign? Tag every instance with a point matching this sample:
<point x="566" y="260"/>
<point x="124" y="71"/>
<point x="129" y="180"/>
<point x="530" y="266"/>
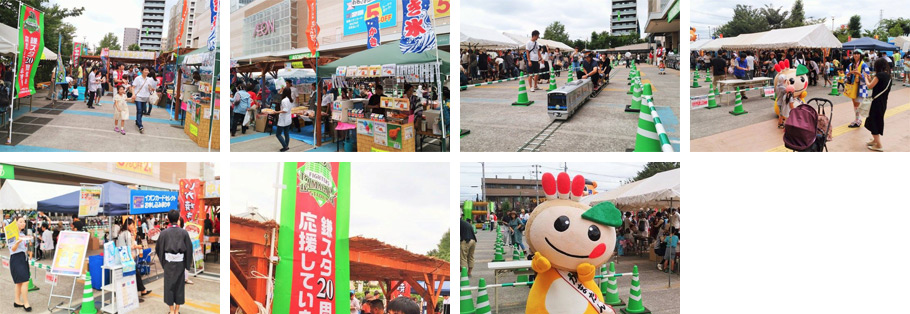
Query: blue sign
<point x="372" y="32"/>
<point x="358" y="11"/>
<point x="417" y="33"/>
<point x="152" y="202"/>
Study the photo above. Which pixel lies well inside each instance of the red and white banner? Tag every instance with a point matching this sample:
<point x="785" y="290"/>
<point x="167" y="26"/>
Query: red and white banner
<point x="314" y="290"/>
<point x="190" y="199"/>
<point x="77" y="50"/>
<point x="182" y="21"/>
<point x="312" y="29"/>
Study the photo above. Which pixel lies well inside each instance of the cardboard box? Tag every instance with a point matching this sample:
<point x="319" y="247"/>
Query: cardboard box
<point x="94" y="243"/>
<point x="261" y="121"/>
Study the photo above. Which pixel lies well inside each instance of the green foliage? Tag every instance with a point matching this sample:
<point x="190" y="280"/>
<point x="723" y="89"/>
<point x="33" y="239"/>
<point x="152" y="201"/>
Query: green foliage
<point x="797" y="15"/>
<point x="557" y="32"/>
<point x="506" y="207"/>
<point x="745" y="20"/>
<point x="653" y="168"/>
<point x="854" y="26"/>
<point x="442" y="249"/>
<point x="774" y="17"/>
<point x="110" y="41"/>
<point x="133" y="47"/>
<point x="895" y="31"/>
<point x="53" y="27"/>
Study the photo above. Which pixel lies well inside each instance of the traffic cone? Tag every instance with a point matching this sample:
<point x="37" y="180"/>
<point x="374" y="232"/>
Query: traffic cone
<point x="646" y="139"/>
<point x="515" y="254"/>
<point x="738" y="110"/>
<point x="522" y="278"/>
<point x="609" y="288"/>
<point x="88" y="297"/>
<point x="695" y="80"/>
<point x="522" y="93"/>
<point x="697" y="76"/>
<point x="636" y="98"/>
<point x="834" y="91"/>
<point x="635" y="305"/>
<point x="631" y="87"/>
<point x="707" y="77"/>
<point x="571" y="74"/>
<point x="31" y="285"/>
<point x="483" y="301"/>
<point x="497" y="257"/>
<point x="712" y="102"/>
<point x="552" y="80"/>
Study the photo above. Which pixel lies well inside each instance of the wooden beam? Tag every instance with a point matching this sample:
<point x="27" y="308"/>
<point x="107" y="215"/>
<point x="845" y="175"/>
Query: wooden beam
<point x="382" y="261"/>
<point x="249" y="234"/>
<point x="242" y="297"/>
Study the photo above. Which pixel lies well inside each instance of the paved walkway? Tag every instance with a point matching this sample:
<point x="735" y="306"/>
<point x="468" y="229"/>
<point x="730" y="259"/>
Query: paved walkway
<point x="717" y="130"/>
<point x="71" y="126"/>
<point x="601" y="125"/>
<point x="657" y="295"/>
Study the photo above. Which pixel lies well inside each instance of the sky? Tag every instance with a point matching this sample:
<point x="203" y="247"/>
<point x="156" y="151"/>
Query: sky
<point x="607" y="175"/>
<point x="402" y="204"/>
<point x="103" y="16"/>
<point x="581" y="17"/>
<point x="714" y="13"/>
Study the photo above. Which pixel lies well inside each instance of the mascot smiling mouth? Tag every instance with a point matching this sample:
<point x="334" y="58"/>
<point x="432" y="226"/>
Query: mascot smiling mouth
<point x="598" y="251"/>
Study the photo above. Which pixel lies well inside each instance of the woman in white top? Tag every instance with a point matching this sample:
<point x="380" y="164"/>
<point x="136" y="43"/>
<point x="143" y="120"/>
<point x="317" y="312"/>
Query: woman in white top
<point x="284" y="120"/>
<point x="126" y="238"/>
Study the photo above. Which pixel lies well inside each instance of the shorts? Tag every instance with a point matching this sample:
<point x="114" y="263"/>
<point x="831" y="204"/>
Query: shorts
<point x="670" y="253"/>
<point x="467" y="253"/>
<point x="535" y="66"/>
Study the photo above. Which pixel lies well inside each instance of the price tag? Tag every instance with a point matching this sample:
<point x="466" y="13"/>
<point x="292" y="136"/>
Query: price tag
<point x="699" y="102"/>
<point x="769" y="91"/>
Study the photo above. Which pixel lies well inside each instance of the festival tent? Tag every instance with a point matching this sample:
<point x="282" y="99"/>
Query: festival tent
<point x="9" y="42"/>
<point x="523" y="40"/>
<point x="716" y="44"/>
<point x="696" y="45"/>
<point x="18" y="195"/>
<point x="743" y="41"/>
<point x="663" y="186"/>
<point x="115" y="200"/>
<point x="388" y="53"/>
<point x="869" y="43"/>
<point x="810" y="36"/>
<point x="472" y="36"/>
<point x="607" y="196"/>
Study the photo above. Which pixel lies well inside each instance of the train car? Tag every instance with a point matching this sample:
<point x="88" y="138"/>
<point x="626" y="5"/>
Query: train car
<point x="564" y="101"/>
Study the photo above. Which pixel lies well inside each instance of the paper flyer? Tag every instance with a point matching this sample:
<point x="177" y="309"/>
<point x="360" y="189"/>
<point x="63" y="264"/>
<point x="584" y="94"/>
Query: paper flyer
<point x="126" y="259"/>
<point x="127" y="295"/>
<point x="69" y="256"/>
<point x="111" y="254"/>
<point x="12" y="233"/>
<point x="380" y="133"/>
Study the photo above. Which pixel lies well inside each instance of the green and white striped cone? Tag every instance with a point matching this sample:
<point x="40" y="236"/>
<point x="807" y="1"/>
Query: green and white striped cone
<point x="32" y="286"/>
<point x="707" y="77"/>
<point x="522" y="278"/>
<point x="552" y="80"/>
<point x="695" y="80"/>
<point x="634" y="75"/>
<point x="497" y="256"/>
<point x="571" y="75"/>
<point x="483" y="301"/>
<point x="609" y="288"/>
<point x="522" y="93"/>
<point x="467" y="304"/>
<point x="515" y="254"/>
<point x="712" y="101"/>
<point x="834" y="91"/>
<point x="635" y="306"/>
<point x="88" y="297"/>
<point x="697" y="76"/>
<point x="646" y="139"/>
<point x="738" y="110"/>
<point x="636" y="98"/>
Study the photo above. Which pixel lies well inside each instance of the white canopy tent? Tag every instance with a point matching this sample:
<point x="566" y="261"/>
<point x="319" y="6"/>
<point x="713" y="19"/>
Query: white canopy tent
<point x="607" y="196"/>
<point x="9" y="43"/>
<point x="696" y="45"/>
<point x="473" y="36"/>
<point x="522" y="40"/>
<point x="24" y="195"/>
<point x="716" y="44"/>
<point x="661" y="189"/>
<point x="743" y="41"/>
<point x="810" y="36"/>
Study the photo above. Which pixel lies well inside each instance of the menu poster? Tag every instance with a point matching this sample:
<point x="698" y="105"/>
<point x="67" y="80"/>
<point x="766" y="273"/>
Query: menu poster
<point x="12" y="233"/>
<point x="340" y="71"/>
<point x="194" y="229"/>
<point x="127" y="294"/>
<point x="380" y="133"/>
<point x="388" y="70"/>
<point x="375" y="70"/>
<point x="69" y="255"/>
<point x="154" y="233"/>
<point x="409" y="132"/>
<point x="351" y="71"/>
<point x="365" y="127"/>
<point x="197" y="254"/>
<point x="89" y="200"/>
<point x="394" y="136"/>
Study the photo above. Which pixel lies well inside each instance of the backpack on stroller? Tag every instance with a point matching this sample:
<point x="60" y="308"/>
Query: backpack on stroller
<point x="808" y="130"/>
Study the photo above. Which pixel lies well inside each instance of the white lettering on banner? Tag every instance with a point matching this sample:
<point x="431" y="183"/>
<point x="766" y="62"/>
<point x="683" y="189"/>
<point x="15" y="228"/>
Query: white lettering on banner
<point x="304" y="304"/>
<point x="327" y="227"/>
<point x="264" y="28"/>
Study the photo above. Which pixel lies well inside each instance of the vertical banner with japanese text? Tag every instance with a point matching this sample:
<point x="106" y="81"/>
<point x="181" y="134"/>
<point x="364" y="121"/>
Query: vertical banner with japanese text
<point x="31" y="48"/>
<point x="372" y="32"/>
<point x="312" y="29"/>
<point x="182" y="23"/>
<point x="213" y="7"/>
<point x="313" y="239"/>
<point x="190" y="199"/>
<point x="77" y="51"/>
<point x="417" y="33"/>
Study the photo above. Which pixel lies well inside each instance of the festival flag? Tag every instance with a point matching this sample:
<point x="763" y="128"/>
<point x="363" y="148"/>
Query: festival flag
<point x="77" y="51"/>
<point x="313" y="239"/>
<point x="104" y="59"/>
<point x="312" y="29"/>
<point x="31" y="47"/>
<point x="182" y="21"/>
<point x="190" y="199"/>
<point x="372" y="32"/>
<point x="60" y="75"/>
<point x="213" y="5"/>
<point x="417" y="33"/>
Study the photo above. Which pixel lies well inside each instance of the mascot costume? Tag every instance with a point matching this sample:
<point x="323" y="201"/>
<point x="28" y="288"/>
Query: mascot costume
<point x="790" y="87"/>
<point x="568" y="239"/>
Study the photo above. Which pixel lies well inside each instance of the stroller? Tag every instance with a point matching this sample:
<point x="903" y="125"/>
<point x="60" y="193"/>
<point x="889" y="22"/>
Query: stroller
<point x="808" y="130"/>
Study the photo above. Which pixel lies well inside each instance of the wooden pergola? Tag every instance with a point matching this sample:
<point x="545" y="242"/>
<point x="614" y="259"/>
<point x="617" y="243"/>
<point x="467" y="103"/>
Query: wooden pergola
<point x="373" y="260"/>
<point x="250" y="241"/>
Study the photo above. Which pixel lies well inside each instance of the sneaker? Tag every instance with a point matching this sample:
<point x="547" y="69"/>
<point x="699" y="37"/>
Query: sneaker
<point x="660" y="266"/>
<point x="123" y="131"/>
<point x="141" y="131"/>
<point x="116" y="129"/>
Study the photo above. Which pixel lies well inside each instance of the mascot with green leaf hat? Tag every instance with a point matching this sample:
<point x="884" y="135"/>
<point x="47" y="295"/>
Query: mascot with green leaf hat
<point x="568" y="240"/>
<point x="790" y="86"/>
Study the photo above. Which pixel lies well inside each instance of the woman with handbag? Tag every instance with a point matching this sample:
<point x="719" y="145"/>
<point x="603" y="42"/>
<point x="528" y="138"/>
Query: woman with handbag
<point x="855" y="84"/>
<point x="881" y="87"/>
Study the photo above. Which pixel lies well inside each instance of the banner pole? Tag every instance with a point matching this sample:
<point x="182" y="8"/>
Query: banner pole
<point x="214" y="75"/>
<point x="12" y="93"/>
<point x="442" y="116"/>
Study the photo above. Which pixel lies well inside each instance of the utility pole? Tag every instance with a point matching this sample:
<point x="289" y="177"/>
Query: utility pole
<point x="565" y="167"/>
<point x="483" y="181"/>
<point x="536" y="183"/>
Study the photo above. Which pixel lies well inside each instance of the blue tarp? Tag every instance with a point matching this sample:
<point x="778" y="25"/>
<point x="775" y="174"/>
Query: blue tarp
<point x="869" y="43"/>
<point x="444" y="292"/>
<point x="115" y="200"/>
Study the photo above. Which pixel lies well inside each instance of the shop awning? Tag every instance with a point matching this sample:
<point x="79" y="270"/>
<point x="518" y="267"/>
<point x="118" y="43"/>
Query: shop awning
<point x="473" y="36"/>
<point x="642" y="47"/>
<point x="743" y="41"/>
<point x="388" y="53"/>
<point x="868" y="43"/>
<point x="24" y="195"/>
<point x="115" y="201"/>
<point x="9" y="42"/>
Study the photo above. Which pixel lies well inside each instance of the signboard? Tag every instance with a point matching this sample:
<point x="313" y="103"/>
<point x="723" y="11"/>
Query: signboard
<point x="417" y="34"/>
<point x="264" y="28"/>
<point x="147" y="55"/>
<point x="69" y="255"/>
<point x="77" y="50"/>
<point x="395" y="135"/>
<point x="145" y="168"/>
<point x="380" y="133"/>
<point x="365" y="127"/>
<point x="388" y="70"/>
<point x="313" y="239"/>
<point x="7" y="172"/>
<point x="339" y="71"/>
<point x="699" y="102"/>
<point x="151" y="202"/>
<point x="394" y="103"/>
<point x="356" y="12"/>
<point x="197" y="254"/>
<point x="373" y="32"/>
<point x="50" y="279"/>
<point x="182" y="22"/>
<point x="768" y="91"/>
<point x="127" y="294"/>
<point x="212" y="189"/>
<point x="441" y="8"/>
<point x="194" y="229"/>
<point x="31" y="48"/>
<point x="90" y="200"/>
<point x="154" y="233"/>
<point x="190" y="199"/>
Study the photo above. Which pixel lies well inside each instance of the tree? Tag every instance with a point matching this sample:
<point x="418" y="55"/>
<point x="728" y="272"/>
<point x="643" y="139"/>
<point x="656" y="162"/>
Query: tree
<point x="110" y="41"/>
<point x="774" y="17"/>
<point x="506" y="207"/>
<point x="442" y="249"/>
<point x="53" y="27"/>
<point x="797" y="15"/>
<point x="557" y="31"/>
<point x="133" y="47"/>
<point x="854" y="26"/>
<point x="745" y="20"/>
<point x="653" y="168"/>
<point x="895" y="31"/>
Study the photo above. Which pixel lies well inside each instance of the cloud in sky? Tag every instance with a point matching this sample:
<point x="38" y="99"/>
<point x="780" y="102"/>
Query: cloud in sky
<point x="402" y="204"/>
<point x="608" y="175"/>
<point x="714" y="13"/>
<point x="103" y="16"/>
<point x="581" y="17"/>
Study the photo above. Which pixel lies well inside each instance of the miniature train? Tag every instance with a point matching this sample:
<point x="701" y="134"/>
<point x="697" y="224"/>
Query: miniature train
<point x="564" y="101"/>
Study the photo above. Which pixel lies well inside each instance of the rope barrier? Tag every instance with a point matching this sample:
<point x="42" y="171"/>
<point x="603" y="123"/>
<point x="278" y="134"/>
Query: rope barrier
<point x="528" y="283"/>
<point x="730" y="92"/>
<point x="665" y="145"/>
<point x="463" y="87"/>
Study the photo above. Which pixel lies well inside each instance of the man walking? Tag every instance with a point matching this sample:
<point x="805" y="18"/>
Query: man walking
<point x="532" y="54"/>
<point x="468" y="242"/>
<point x="175" y="251"/>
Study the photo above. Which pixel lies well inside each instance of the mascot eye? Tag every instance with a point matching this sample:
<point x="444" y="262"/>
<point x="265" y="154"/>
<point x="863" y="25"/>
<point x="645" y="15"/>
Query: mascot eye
<point x="593" y="233"/>
<point x="561" y="224"/>
<point x="802" y="79"/>
<point x="792" y="81"/>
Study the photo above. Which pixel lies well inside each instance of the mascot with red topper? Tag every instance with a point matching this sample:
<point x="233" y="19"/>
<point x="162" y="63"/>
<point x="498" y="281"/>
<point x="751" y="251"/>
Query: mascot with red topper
<point x="568" y="239"/>
<point x="790" y="89"/>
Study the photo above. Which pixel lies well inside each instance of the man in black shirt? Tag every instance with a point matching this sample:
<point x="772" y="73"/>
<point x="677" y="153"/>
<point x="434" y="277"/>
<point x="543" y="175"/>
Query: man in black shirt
<point x="78" y="225"/>
<point x="468" y="242"/>
<point x="719" y="69"/>
<point x="373" y="103"/>
<point x="590" y="69"/>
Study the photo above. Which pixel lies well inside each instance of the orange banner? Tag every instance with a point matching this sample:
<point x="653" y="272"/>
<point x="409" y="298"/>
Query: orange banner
<point x="312" y="30"/>
<point x="182" y="21"/>
<point x="137" y="167"/>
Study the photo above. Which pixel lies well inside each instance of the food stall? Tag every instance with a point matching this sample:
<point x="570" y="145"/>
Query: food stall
<point x="202" y="122"/>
